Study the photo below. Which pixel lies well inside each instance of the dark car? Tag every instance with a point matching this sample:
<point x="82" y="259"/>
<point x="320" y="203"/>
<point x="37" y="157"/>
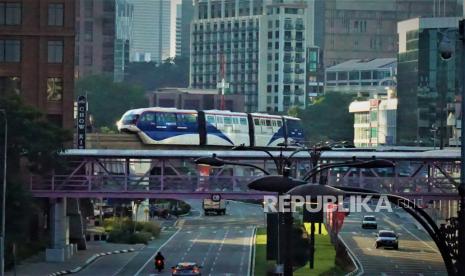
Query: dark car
<point x="186" y="268"/>
<point x="387" y="238"/>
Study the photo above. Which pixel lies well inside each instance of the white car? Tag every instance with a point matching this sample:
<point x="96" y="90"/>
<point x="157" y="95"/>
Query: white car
<point x="369" y="222"/>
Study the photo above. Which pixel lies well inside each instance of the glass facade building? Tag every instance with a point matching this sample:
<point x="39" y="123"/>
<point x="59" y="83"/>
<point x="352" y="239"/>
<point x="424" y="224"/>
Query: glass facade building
<point x="426" y="83"/>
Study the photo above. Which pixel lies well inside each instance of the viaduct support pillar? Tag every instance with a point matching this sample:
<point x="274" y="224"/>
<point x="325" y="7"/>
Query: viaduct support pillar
<point x="60" y="249"/>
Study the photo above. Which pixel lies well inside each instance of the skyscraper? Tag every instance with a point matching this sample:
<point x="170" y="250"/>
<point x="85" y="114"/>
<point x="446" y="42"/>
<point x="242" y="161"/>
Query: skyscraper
<point x="151" y="30"/>
<point x="360" y="29"/>
<point x="104" y="34"/>
<point x="426" y="83"/>
<point x="178" y="29"/>
<point x="259" y="46"/>
<point x="187" y="14"/>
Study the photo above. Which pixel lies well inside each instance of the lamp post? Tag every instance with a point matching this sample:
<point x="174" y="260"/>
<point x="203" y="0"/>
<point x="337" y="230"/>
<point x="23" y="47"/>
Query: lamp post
<point x="2" y="236"/>
<point x="446" y="51"/>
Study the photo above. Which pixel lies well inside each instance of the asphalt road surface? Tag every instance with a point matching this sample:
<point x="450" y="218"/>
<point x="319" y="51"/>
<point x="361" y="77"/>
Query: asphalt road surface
<point x="417" y="254"/>
<point x="222" y="245"/>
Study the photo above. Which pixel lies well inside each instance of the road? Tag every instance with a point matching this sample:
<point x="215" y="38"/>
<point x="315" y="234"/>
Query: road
<point x="417" y="254"/>
<point x="220" y="244"/>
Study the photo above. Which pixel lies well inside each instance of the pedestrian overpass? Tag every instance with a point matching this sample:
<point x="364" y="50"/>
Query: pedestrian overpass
<point x="424" y="176"/>
<point x="105" y="173"/>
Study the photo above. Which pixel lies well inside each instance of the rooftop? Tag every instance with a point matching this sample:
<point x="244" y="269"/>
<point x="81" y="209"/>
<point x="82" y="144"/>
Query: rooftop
<point x="360" y="64"/>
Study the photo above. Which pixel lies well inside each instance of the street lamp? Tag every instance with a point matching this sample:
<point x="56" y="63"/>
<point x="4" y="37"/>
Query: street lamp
<point x="446" y="51"/>
<point x="2" y="236"/>
<point x="434" y="129"/>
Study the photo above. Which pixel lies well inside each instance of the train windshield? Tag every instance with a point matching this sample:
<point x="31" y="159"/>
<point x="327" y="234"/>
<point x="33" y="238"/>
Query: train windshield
<point x="130" y="119"/>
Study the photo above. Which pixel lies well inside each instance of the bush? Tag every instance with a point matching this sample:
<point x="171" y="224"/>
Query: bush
<point x="121" y="230"/>
<point x="140" y="237"/>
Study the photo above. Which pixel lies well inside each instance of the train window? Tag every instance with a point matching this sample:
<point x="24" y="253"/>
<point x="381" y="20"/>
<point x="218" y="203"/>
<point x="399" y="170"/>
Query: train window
<point x="166" y="119"/>
<point x="187" y="118"/>
<point x="273" y="123"/>
<point x="263" y="122"/>
<point x="147" y="117"/>
<point x="280" y="123"/>
<point x="243" y="121"/>
<point x="211" y="119"/>
<point x="256" y="122"/>
<point x="227" y="120"/>
<point x="219" y="119"/>
<point x="268" y="122"/>
<point x="235" y="120"/>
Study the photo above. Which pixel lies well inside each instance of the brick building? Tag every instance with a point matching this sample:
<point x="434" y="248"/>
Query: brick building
<point x="37" y="55"/>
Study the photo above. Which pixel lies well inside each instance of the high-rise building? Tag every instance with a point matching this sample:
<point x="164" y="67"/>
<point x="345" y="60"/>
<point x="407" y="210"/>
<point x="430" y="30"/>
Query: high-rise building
<point x="178" y="29"/>
<point x="104" y="33"/>
<point x="360" y="29"/>
<point x="258" y="46"/>
<point x="426" y="83"/>
<point x="151" y="30"/>
<point x="187" y="15"/>
<point x="37" y="55"/>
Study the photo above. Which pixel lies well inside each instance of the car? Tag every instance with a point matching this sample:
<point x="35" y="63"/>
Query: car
<point x="186" y="268"/>
<point x="387" y="238"/>
<point x="369" y="222"/>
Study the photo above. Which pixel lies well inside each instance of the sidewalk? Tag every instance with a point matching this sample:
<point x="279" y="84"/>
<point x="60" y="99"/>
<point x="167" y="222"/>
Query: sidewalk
<point x="36" y="265"/>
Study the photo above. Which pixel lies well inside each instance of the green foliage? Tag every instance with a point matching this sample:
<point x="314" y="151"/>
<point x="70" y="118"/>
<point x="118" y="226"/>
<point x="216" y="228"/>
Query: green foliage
<point x="328" y="118"/>
<point x="109" y="100"/>
<point x="151" y="76"/>
<point x="125" y="230"/>
<point x="34" y="142"/>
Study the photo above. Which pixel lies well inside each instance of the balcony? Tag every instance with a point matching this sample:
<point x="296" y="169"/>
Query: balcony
<point x="288" y="70"/>
<point x="288" y="59"/>
<point x="299" y="81"/>
<point x="299" y="50"/>
<point x="299" y="27"/>
<point x="299" y="38"/>
<point x="299" y="60"/>
<point x="299" y="92"/>
<point x="287" y="38"/>
<point x="287" y="81"/>
<point x="299" y="71"/>
<point x="288" y="49"/>
<point x="288" y="26"/>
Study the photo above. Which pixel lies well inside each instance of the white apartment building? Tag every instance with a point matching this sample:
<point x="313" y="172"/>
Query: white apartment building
<point x="151" y="39"/>
<point x="262" y="45"/>
<point x="375" y="121"/>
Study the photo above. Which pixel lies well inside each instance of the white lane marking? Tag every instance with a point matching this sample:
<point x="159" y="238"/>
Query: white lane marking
<point x="159" y="249"/>
<point x="415" y="236"/>
<point x="251" y="247"/>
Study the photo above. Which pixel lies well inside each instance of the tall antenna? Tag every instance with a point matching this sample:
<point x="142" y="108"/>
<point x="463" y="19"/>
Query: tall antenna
<point x="222" y="85"/>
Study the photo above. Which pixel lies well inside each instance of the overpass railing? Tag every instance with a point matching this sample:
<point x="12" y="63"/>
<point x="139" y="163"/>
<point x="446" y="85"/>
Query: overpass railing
<point x="149" y="184"/>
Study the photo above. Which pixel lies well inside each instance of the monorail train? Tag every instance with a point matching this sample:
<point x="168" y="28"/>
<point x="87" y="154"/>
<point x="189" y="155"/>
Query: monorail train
<point x="171" y="126"/>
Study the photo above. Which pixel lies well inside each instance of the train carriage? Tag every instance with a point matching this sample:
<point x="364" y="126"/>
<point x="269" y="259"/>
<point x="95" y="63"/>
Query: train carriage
<point x="171" y="126"/>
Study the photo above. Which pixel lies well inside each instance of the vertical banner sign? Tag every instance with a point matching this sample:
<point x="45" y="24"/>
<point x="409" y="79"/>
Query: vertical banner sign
<point x="81" y="122"/>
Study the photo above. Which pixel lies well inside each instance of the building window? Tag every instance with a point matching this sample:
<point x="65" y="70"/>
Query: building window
<point x="10" y="50"/>
<point x="88" y="31"/>
<point x="55" y="51"/>
<point x="10" y="13"/>
<point x="55" y="14"/>
<point x="54" y="89"/>
<point x="10" y="85"/>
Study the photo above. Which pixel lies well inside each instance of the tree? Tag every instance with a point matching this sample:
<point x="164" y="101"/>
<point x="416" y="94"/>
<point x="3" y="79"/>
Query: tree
<point x="33" y="144"/>
<point x="173" y="72"/>
<point x="328" y="118"/>
<point x="109" y="100"/>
